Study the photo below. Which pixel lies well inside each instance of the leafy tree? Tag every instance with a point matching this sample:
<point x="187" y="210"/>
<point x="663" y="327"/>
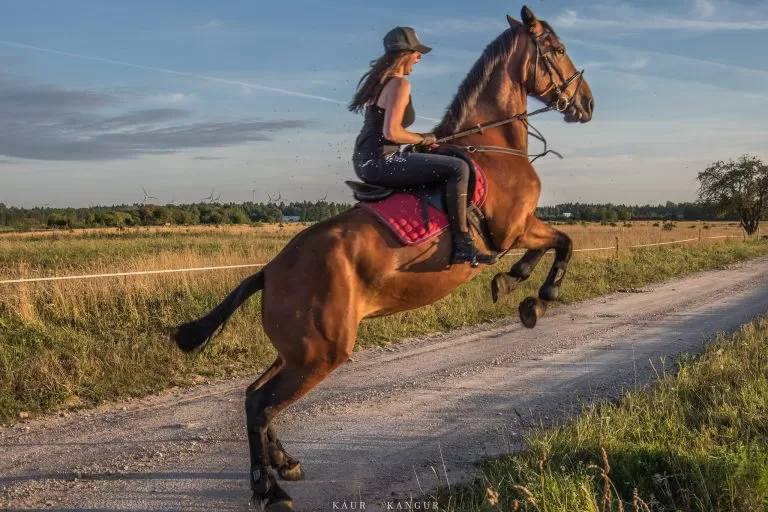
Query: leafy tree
<point x="624" y="213"/>
<point x="161" y="215"/>
<point x="739" y="188"/>
<point x="57" y="220"/>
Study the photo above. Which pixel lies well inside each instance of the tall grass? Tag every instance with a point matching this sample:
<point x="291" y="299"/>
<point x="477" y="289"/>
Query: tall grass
<point x="76" y="343"/>
<point x="696" y="441"/>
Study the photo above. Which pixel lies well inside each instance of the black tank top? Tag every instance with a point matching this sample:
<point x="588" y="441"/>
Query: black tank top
<point x="371" y="142"/>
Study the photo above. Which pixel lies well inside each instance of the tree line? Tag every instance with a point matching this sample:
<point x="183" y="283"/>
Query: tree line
<point x="732" y="190"/>
<point x="307" y="211"/>
<point x="617" y="213"/>
<point x="728" y="190"/>
<point x="17" y="218"/>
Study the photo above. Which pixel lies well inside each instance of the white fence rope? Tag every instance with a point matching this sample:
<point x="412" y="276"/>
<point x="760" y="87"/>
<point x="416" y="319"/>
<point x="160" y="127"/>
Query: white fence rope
<point x="595" y="249"/>
<point x="197" y="269"/>
<point x="665" y="243"/>
<point x="144" y="272"/>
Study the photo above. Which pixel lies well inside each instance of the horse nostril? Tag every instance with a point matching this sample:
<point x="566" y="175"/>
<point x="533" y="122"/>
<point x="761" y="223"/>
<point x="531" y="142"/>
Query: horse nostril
<point x="591" y="104"/>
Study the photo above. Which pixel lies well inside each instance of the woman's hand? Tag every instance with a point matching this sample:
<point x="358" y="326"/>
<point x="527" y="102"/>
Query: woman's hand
<point x="427" y="139"/>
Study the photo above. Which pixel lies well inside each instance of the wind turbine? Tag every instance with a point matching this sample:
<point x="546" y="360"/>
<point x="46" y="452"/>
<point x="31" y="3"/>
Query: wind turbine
<point x="212" y="198"/>
<point x="272" y="200"/>
<point x="146" y="196"/>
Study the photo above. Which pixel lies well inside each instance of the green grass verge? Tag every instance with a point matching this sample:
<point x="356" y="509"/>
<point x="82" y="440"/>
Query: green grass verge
<point x="109" y="344"/>
<point x="696" y="441"/>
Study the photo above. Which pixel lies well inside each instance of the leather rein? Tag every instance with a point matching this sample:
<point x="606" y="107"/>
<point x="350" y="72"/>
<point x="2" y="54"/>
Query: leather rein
<point x="560" y="103"/>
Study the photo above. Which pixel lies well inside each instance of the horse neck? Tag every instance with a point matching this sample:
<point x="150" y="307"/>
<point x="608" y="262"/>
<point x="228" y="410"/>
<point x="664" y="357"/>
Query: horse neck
<point x="502" y="99"/>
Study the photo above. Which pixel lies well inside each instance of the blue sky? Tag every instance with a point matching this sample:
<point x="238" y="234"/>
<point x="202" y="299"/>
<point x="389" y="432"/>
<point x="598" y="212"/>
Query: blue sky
<point x="187" y="98"/>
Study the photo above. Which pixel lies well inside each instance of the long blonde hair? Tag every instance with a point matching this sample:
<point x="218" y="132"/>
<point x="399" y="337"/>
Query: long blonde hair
<point x="371" y="83"/>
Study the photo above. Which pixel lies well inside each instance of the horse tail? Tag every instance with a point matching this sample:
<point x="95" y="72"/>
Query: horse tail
<point x="199" y="333"/>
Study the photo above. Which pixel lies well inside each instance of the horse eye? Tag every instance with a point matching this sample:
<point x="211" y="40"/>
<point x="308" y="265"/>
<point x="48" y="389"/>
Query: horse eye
<point x="560" y="52"/>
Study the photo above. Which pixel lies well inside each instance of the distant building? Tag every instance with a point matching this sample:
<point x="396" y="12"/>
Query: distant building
<point x="567" y="215"/>
<point x="291" y="218"/>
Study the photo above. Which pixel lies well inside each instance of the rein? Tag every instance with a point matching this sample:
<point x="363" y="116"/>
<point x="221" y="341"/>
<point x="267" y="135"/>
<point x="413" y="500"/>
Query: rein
<point x="560" y="103"/>
<point x="480" y="128"/>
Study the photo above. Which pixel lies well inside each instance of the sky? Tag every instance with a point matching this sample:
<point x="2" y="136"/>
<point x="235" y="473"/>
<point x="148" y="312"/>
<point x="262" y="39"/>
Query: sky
<point x="107" y="102"/>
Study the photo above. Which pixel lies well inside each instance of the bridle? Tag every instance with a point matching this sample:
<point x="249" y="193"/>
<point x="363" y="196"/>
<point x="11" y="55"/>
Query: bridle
<point x="561" y="102"/>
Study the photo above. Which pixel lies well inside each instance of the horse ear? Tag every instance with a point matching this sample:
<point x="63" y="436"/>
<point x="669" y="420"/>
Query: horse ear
<point x="512" y="21"/>
<point x="528" y="17"/>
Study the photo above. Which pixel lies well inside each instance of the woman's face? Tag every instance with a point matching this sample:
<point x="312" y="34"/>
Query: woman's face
<point x="412" y="60"/>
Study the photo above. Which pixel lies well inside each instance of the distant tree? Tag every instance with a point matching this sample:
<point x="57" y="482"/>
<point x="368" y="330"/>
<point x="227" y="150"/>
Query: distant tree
<point x="236" y="215"/>
<point x="738" y="188"/>
<point x="209" y="215"/>
<point x="4" y="214"/>
<point x="185" y="217"/>
<point x="56" y="220"/>
<point x="113" y="219"/>
<point x="160" y="215"/>
<point x="624" y="213"/>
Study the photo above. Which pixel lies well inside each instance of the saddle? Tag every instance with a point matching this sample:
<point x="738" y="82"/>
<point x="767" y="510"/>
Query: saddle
<point x="418" y="214"/>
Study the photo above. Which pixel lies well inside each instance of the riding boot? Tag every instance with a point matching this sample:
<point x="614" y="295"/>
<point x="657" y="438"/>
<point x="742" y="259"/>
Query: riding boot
<point x="463" y="248"/>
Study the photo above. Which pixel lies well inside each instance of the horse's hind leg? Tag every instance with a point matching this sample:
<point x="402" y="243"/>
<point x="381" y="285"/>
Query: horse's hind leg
<point x="541" y="237"/>
<point x="287" y="467"/>
<point x="285" y="387"/>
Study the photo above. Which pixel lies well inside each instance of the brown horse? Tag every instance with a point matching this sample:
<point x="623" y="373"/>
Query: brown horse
<point x="339" y="271"/>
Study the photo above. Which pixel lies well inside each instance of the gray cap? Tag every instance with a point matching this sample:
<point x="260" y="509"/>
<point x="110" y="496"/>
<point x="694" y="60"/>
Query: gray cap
<point x="404" y="38"/>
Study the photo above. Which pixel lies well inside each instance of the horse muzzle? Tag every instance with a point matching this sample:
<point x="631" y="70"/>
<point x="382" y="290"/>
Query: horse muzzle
<point x="579" y="112"/>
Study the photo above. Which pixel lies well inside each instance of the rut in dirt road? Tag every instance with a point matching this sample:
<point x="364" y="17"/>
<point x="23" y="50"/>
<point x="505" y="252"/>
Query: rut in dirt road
<point x="387" y="425"/>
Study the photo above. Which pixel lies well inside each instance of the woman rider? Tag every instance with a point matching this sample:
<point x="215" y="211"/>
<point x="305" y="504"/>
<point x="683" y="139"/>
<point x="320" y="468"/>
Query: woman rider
<point x="384" y="94"/>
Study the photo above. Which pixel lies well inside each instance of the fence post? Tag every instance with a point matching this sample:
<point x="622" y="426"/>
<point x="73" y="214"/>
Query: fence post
<point x="699" y="235"/>
<point x="617" y="247"/>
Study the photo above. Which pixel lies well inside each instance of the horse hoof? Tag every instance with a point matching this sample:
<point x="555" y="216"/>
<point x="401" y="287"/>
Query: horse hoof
<point x="549" y="293"/>
<point x="531" y="309"/>
<point x="502" y="284"/>
<point x="279" y="506"/>
<point x="292" y="473"/>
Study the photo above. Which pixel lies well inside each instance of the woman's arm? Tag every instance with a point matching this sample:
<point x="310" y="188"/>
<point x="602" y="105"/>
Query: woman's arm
<point x="396" y="103"/>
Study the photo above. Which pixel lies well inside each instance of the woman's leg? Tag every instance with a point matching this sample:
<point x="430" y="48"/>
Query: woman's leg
<point x="411" y="169"/>
<point x="451" y="170"/>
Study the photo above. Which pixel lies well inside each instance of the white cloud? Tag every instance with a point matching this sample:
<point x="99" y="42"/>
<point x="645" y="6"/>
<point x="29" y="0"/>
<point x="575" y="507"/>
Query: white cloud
<point x="453" y="26"/>
<point x="640" y="62"/>
<point x="624" y="16"/>
<point x="703" y="8"/>
<point x="212" y="24"/>
<point x="172" y="98"/>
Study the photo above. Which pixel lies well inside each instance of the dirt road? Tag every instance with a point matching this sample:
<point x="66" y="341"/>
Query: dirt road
<point x="386" y="425"/>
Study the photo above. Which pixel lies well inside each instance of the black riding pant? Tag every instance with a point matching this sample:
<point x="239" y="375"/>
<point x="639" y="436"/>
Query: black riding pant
<point x="409" y="169"/>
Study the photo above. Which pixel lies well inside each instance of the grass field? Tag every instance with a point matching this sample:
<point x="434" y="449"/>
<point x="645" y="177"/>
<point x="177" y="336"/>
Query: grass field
<point x="79" y="342"/>
<point x="696" y="441"/>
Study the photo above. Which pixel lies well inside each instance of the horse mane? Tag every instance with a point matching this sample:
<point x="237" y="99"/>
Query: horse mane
<point x="476" y="80"/>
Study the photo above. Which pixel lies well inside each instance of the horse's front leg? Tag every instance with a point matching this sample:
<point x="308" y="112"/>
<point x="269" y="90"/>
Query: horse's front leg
<point x="505" y="282"/>
<point x="538" y="238"/>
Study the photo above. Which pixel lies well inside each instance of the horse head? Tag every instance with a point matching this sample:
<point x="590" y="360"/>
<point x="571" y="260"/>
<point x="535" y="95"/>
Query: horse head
<point x="548" y="71"/>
